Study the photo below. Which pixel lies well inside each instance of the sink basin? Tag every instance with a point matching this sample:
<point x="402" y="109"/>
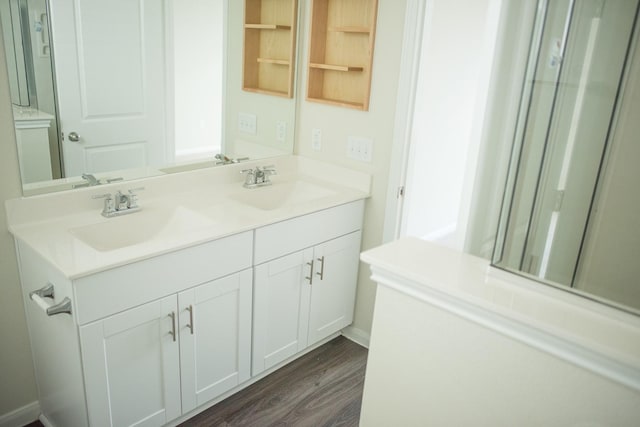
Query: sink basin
<point x="281" y="194"/>
<point x="140" y="227"/>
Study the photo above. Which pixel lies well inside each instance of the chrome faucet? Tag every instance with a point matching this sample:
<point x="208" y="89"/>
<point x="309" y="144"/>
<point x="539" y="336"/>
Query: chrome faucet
<point x="91" y="181"/>
<point x="120" y="203"/>
<point x="222" y="159"/>
<point x="258" y="177"/>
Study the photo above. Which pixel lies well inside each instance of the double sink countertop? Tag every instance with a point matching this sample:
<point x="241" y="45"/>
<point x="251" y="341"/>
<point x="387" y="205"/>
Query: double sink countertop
<point x="177" y="211"/>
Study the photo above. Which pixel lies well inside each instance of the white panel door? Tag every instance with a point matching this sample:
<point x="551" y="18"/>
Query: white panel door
<point x="131" y="366"/>
<point x="215" y="338"/>
<point x="281" y="309"/>
<point x="334" y="286"/>
<point x="110" y="79"/>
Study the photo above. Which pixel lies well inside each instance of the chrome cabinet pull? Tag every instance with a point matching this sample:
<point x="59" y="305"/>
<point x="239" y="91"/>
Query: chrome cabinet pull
<point x="310" y="277"/>
<point x="190" y="325"/>
<point x="63" y="307"/>
<point x="321" y="273"/>
<point x="173" y="325"/>
<point x="45" y="292"/>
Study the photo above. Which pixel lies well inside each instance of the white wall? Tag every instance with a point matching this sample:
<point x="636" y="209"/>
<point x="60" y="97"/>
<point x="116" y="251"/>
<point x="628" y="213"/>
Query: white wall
<point x="429" y="367"/>
<point x="512" y="51"/>
<point x="17" y="383"/>
<point x="337" y="124"/>
<point x="197" y="51"/>
<point x="455" y="66"/>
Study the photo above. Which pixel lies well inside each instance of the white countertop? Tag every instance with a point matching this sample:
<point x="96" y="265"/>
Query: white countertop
<point x="27" y="117"/>
<point x="44" y="221"/>
<point x="600" y="337"/>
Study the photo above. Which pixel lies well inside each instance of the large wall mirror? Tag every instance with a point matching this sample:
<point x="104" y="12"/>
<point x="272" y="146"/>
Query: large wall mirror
<point x="571" y="210"/>
<point x="124" y="89"/>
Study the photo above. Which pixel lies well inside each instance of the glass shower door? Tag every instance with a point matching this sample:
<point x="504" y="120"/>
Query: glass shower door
<point x="576" y="66"/>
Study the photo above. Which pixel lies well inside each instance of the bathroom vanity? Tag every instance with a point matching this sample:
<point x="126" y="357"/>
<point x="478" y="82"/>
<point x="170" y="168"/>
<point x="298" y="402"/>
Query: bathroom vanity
<point x="209" y="287"/>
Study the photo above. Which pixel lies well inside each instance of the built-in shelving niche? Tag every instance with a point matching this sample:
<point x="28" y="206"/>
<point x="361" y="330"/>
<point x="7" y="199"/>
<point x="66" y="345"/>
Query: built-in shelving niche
<point x="269" y="46"/>
<point x="341" y="52"/>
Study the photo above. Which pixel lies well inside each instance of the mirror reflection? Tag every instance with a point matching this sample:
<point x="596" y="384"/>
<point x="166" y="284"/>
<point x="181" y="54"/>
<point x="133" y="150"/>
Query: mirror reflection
<point x="570" y="211"/>
<point x="137" y="89"/>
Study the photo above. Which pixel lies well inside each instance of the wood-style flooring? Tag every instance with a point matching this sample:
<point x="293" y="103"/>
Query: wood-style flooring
<point x="322" y="388"/>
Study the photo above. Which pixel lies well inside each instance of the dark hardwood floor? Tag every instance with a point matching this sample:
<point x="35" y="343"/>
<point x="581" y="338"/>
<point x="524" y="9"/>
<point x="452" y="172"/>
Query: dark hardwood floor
<point x="322" y="388"/>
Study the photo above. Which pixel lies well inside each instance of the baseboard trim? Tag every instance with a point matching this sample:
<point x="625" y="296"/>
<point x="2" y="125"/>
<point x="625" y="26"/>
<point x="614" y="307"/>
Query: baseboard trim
<point x="45" y="421"/>
<point x="356" y="335"/>
<point x="21" y="416"/>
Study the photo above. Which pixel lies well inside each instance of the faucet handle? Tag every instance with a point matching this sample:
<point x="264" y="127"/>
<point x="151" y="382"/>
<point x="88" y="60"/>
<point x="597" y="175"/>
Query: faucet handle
<point x="109" y="204"/>
<point x="251" y="176"/>
<point x="267" y="171"/>
<point x="133" y="197"/>
<point x="102" y="196"/>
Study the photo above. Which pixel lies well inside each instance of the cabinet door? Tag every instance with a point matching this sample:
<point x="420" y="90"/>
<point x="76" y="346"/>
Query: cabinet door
<point x="281" y="309"/>
<point x="334" y="286"/>
<point x="131" y="366"/>
<point x="215" y="338"/>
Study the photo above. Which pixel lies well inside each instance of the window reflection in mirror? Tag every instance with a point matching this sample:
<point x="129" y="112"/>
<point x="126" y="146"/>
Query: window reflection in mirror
<point x="570" y="212"/>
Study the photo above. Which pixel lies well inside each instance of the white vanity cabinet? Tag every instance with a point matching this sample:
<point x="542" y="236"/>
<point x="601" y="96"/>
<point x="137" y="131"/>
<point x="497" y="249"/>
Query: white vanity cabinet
<point x="132" y="366"/>
<point x="215" y="338"/>
<point x="304" y="281"/>
<point x="206" y="290"/>
<point x="168" y="356"/>
<point x="146" y="342"/>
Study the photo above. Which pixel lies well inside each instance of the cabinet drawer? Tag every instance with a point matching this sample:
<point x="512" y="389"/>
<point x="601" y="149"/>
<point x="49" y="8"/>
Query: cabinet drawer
<point x="118" y="289"/>
<point x="273" y="241"/>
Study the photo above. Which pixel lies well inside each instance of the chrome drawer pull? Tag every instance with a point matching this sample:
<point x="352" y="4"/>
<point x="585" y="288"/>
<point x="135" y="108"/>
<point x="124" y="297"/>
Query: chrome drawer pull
<point x="190" y="325"/>
<point x="310" y="277"/>
<point x="172" y="332"/>
<point x="321" y="273"/>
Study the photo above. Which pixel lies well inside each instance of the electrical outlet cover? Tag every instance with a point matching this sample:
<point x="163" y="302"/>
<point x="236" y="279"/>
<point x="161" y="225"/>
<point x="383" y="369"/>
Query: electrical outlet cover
<point x="281" y="131"/>
<point x="316" y="139"/>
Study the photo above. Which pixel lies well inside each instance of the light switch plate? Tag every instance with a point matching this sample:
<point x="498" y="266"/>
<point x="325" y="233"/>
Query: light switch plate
<point x="247" y="123"/>
<point x="360" y="148"/>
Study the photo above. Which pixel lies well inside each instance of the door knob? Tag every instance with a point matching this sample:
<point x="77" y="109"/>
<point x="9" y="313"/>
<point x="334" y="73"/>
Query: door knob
<point x="74" y="137"/>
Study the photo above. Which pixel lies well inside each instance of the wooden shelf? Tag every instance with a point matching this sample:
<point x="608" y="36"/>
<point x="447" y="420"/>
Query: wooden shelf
<point x="269" y="33"/>
<point x="267" y="27"/>
<point x="274" y="61"/>
<point x="336" y="67"/>
<point x="267" y="92"/>
<point x="356" y="105"/>
<point x="342" y="32"/>
<point x="359" y="30"/>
